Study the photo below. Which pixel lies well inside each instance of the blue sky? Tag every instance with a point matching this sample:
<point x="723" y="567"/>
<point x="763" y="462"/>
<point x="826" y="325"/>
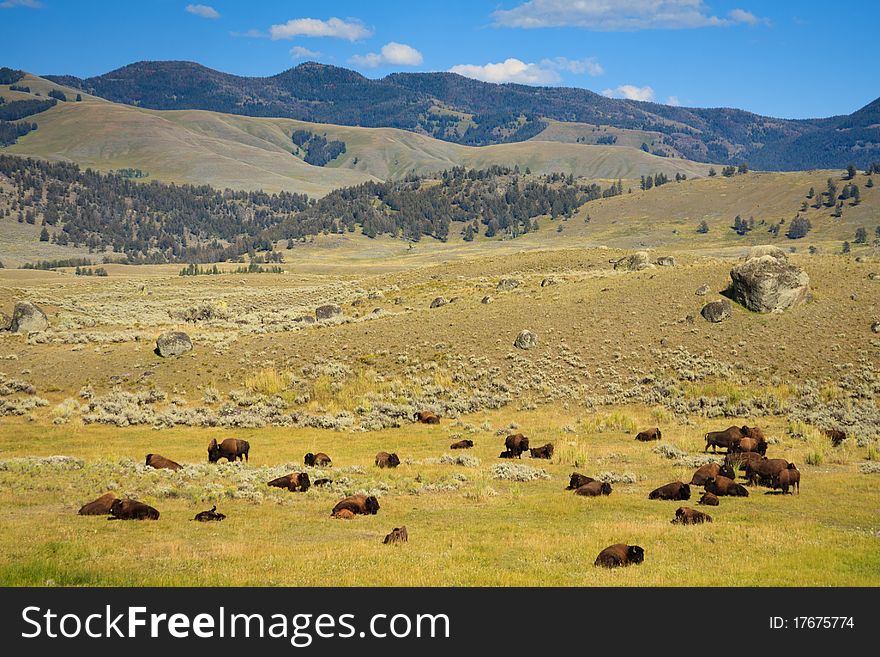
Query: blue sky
<point x="786" y="58"/>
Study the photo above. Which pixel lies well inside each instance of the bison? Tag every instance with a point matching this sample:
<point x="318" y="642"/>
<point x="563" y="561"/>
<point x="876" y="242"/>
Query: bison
<point x="577" y="480"/>
<point x="506" y="455"/>
<point x="161" y="463"/>
<point x="730" y="436"/>
<point x="790" y="477"/>
<point x="98" y="507"/>
<point x="209" y="516"/>
<point x="426" y="417"/>
<point x="397" y="535"/>
<point x="620" y="555"/>
<point x="594" y="489"/>
<point x="649" y="434"/>
<point x="462" y="444"/>
<point x="684" y="515"/>
<point x="673" y="491"/>
<point x="709" y="499"/>
<point x="323" y="481"/>
<point x="741" y="460"/>
<point x="722" y="486"/>
<point x="764" y="472"/>
<point x="750" y="445"/>
<point x="357" y="505"/>
<point x="343" y="514"/>
<point x="543" y="452"/>
<point x="836" y="435"/>
<point x="295" y="481"/>
<point x="231" y="449"/>
<point x="711" y="470"/>
<point x="755" y="433"/>
<point x="516" y="444"/>
<point x="319" y="460"/>
<point x="129" y="509"/>
<point x="386" y="460"/>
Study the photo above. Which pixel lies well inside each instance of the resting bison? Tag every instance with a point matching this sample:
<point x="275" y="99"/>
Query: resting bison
<point x="343" y="514"/>
<point x="323" y="481"/>
<point x="426" y="417"/>
<point x="649" y="434"/>
<point x="620" y="555"/>
<point x="506" y="455"/>
<point x="730" y="436"/>
<point x="516" y="444"/>
<point x="397" y="535"/>
<point x="711" y="470"/>
<point x="386" y="460"/>
<point x="295" y="481"/>
<point x="836" y="435"/>
<point x="543" y="452"/>
<point x="674" y="491"/>
<point x="721" y="486"/>
<point x="208" y="516"/>
<point x="741" y="459"/>
<point x="230" y="449"/>
<point x="750" y="445"/>
<point x="594" y="489"/>
<point x="357" y="504"/>
<point x="161" y="463"/>
<point x="577" y="480"/>
<point x="129" y="509"/>
<point x="320" y="460"/>
<point x="709" y="499"/>
<point x="462" y="444"/>
<point x="765" y="471"/>
<point x="791" y="476"/>
<point x="685" y="515"/>
<point x="98" y="507"/>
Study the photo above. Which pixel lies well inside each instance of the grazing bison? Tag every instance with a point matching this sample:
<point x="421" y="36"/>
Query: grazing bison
<point x="462" y="444"/>
<point x="684" y="515"/>
<point x="730" y="436"/>
<point x="397" y="535"/>
<point x="750" y="445"/>
<point x="161" y="463"/>
<point x="98" y="507"/>
<point x="649" y="434"/>
<point x="755" y="433"/>
<point x="577" y="480"/>
<point x="320" y="460"/>
<point x="711" y="470"/>
<point x="295" y="481"/>
<point x="357" y="504"/>
<point x="343" y="514"/>
<point x="323" y="481"/>
<point x="620" y="555"/>
<point x="516" y="444"/>
<point x="790" y="477"/>
<point x="543" y="452"/>
<point x="594" y="489"/>
<point x="129" y="509"/>
<point x="741" y="460"/>
<point x="709" y="499"/>
<point x="674" y="491"/>
<point x="386" y="460"/>
<point x="722" y="486"/>
<point x="426" y="417"/>
<point x="506" y="455"/>
<point x="765" y="471"/>
<point x="208" y="516"/>
<point x="230" y="449"/>
<point x="836" y="435"/>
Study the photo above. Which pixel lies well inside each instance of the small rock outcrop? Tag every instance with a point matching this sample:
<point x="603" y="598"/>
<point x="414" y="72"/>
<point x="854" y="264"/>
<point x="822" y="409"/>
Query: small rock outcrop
<point x="28" y="318"/>
<point x="634" y="262"/>
<point x="173" y="343"/>
<point x="487" y="299"/>
<point x="716" y="311"/>
<point x="439" y="301"/>
<point x="702" y="291"/>
<point x="526" y="340"/>
<point x="327" y="311"/>
<point x="769" y="283"/>
<point x="550" y="280"/>
<point x="5" y="321"/>
<point x="507" y="284"/>
<point x="665" y="261"/>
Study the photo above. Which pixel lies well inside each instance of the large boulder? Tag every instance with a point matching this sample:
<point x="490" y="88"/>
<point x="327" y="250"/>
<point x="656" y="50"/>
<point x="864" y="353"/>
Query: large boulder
<point x="526" y="340"/>
<point x="28" y="318"/>
<point x="634" y="262"/>
<point x="769" y="283"/>
<point x="767" y="249"/>
<point x="173" y="343"/>
<point x="327" y="311"/>
<point x="716" y="311"/>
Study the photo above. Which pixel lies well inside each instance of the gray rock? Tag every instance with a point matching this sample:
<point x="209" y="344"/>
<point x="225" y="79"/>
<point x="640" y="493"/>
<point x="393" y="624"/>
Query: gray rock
<point x="767" y="249"/>
<point x="305" y="319"/>
<point x="526" y="340"/>
<point x="487" y="299"/>
<point x="439" y="301"/>
<point x="874" y="276"/>
<point x="717" y="311"/>
<point x="665" y="261"/>
<point x="769" y="284"/>
<point x="327" y="311"/>
<point x="28" y="318"/>
<point x="550" y="280"/>
<point x="875" y="327"/>
<point x="634" y="262"/>
<point x="5" y="321"/>
<point x="173" y="343"/>
<point x="702" y="291"/>
<point x="507" y="284"/>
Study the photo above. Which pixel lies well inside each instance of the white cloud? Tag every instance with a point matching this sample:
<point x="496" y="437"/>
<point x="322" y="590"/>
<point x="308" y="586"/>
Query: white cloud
<point x="747" y="17"/>
<point x="630" y="92"/>
<point x="674" y="101"/>
<point x="250" y="34"/>
<point x="205" y="11"/>
<point x="350" y="30"/>
<point x="577" y="66"/>
<point x="12" y="4"/>
<point x="300" y="52"/>
<point x="616" y="16"/>
<point x="510" y="70"/>
<point x="398" y="54"/>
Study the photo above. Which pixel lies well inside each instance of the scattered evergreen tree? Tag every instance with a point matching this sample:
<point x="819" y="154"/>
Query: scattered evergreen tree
<point x="44" y="235"/>
<point x="846" y="247"/>
<point x="861" y="236"/>
<point x="703" y="228"/>
<point x="712" y="172"/>
<point x="850" y="171"/>
<point x="798" y="228"/>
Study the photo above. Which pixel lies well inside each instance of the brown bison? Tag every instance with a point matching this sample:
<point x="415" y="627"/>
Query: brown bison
<point x="516" y="444"/>
<point x="730" y="436"/>
<point x="230" y="449"/>
<point x="161" y="463"/>
<point x="722" y="486"/>
<point x="357" y="504"/>
<point x="594" y="489"/>
<point x="709" y="499"/>
<point x="129" y="509"/>
<point x="649" y="434"/>
<point x="673" y="491"/>
<point x="790" y="477"/>
<point x="397" y="535"/>
<point x="740" y="460"/>
<point x="386" y="460"/>
<point x="750" y="445"/>
<point x="319" y="460"/>
<point x="836" y="435"/>
<point x="543" y="452"/>
<point x="765" y="471"/>
<point x="755" y="433"/>
<point x="462" y="444"/>
<point x="98" y="507"/>
<point x="323" y="481"/>
<point x="620" y="555"/>
<point x="209" y="516"/>
<point x="295" y="481"/>
<point x="426" y="417"/>
<point x="711" y="470"/>
<point x="506" y="455"/>
<point x="577" y="480"/>
<point x="343" y="514"/>
<point x="684" y="515"/>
